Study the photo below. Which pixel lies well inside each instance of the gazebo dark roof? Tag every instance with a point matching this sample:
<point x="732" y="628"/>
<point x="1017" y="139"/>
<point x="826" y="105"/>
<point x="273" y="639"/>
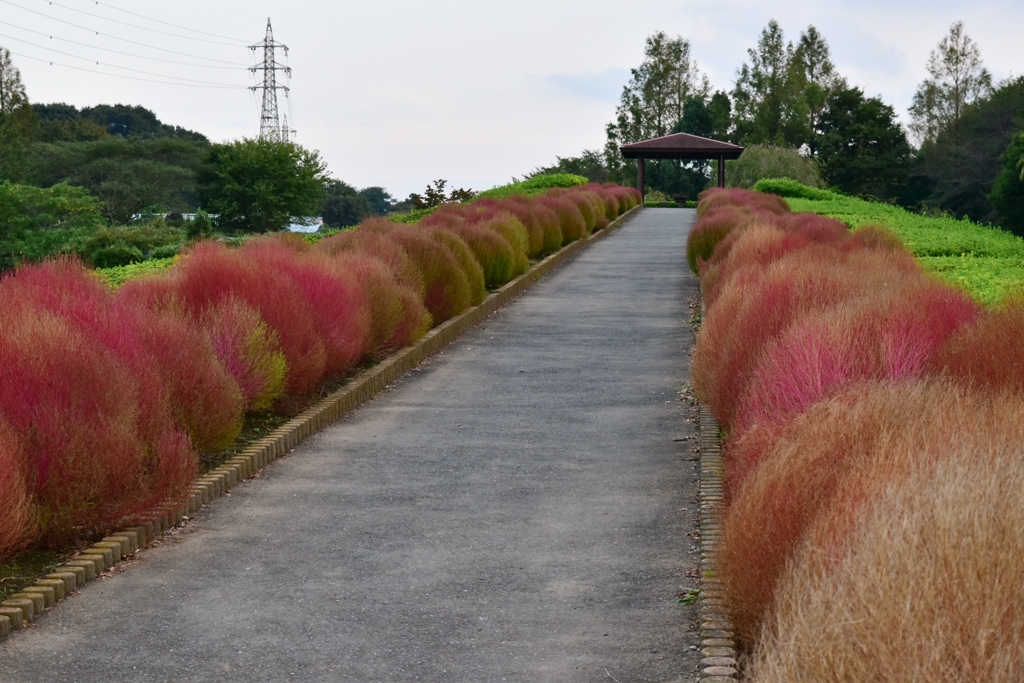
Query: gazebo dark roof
<point x="681" y="146"/>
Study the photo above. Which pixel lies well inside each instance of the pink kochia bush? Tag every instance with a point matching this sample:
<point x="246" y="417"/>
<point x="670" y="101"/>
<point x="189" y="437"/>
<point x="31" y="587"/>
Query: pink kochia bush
<point x="106" y="398"/>
<point x="860" y="399"/>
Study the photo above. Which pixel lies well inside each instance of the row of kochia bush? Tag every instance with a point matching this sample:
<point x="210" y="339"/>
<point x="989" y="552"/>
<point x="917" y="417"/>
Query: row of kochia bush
<point x="106" y="397"/>
<point x="874" y="447"/>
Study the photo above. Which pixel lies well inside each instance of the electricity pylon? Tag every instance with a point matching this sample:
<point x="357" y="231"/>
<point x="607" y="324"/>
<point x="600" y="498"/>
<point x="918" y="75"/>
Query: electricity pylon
<point x="270" y="127"/>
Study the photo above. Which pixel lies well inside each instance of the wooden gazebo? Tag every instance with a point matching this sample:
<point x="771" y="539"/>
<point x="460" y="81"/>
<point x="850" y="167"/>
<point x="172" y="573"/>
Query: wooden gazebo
<point x="680" y="146"/>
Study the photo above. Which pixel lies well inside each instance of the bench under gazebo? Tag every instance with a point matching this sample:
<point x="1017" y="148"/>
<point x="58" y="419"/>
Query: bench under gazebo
<point x="681" y="146"/>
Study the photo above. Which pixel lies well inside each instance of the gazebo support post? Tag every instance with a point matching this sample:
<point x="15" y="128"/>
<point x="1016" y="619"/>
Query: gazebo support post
<point x="721" y="171"/>
<point x="640" y="177"/>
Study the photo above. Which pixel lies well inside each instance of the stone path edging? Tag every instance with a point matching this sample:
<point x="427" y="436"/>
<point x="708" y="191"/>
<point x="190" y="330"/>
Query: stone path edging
<point x="21" y="608"/>
<point x="717" y="635"/>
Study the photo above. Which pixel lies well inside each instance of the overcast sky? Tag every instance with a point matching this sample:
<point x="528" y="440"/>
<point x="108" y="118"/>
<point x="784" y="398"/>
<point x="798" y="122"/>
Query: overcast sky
<point x="397" y="93"/>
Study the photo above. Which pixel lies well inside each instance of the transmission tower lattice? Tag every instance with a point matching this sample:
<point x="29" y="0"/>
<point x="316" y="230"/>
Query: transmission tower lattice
<point x="270" y="125"/>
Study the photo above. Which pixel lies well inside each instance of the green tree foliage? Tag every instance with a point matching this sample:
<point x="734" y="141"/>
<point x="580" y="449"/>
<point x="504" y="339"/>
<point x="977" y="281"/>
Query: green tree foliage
<point x="955" y="171"/>
<point x="126" y="174"/>
<point x="379" y="199"/>
<point x="956" y="79"/>
<point x="590" y="164"/>
<point x="781" y="94"/>
<point x="720" y="108"/>
<point x="766" y="161"/>
<point x="814" y="78"/>
<point x="16" y="120"/>
<point x="654" y="100"/>
<point x="763" y="98"/>
<point x="36" y="222"/>
<point x="862" y="149"/>
<point x="1008" y="190"/>
<point x="12" y="90"/>
<point x="344" y="205"/>
<point x="65" y="123"/>
<point x="435" y="195"/>
<point x="256" y="185"/>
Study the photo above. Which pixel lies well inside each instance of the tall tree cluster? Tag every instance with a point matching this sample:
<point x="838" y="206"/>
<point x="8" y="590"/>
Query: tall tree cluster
<point x="666" y="94"/>
<point x="787" y="96"/>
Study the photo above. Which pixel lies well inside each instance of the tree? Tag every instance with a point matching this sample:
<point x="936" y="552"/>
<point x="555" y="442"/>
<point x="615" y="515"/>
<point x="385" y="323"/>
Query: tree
<point x="15" y="118"/>
<point x="862" y="149"/>
<point x="1008" y="190"/>
<point x="956" y="80"/>
<point x="257" y="185"/>
<point x="590" y="164"/>
<point x="654" y="100"/>
<point x="814" y="78"/>
<point x="762" y="99"/>
<point x="344" y="206"/>
<point x="379" y="199"/>
<point x="720" y="109"/>
<point x="780" y="95"/>
<point x="955" y="171"/>
<point x="12" y="91"/>
<point x="434" y="196"/>
<point x="126" y="174"/>
<point x="767" y="161"/>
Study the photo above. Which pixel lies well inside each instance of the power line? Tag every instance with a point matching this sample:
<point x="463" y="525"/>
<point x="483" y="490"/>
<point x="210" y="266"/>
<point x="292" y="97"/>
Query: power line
<point x="131" y="78"/>
<point x="115" y="66"/>
<point x="125" y="40"/>
<point x="119" y="52"/>
<point x="143" y="28"/>
<point x="168" y="23"/>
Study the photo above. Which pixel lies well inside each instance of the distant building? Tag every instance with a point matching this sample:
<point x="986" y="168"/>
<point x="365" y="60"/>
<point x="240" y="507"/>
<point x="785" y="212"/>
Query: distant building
<point x="308" y="224"/>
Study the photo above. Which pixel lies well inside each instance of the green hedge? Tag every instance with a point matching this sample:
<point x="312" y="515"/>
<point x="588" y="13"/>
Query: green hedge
<point x="985" y="261"/>
<point x="535" y="186"/>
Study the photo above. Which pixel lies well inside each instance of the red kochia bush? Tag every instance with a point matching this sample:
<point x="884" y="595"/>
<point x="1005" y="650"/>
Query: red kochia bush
<point x="754" y="201"/>
<point x="446" y="288"/>
<point x="890" y="334"/>
<point x="583" y="205"/>
<point x="397" y="314"/>
<point x="467" y="261"/>
<point x="18" y="526"/>
<point x="212" y="273"/>
<point x="493" y="252"/>
<point x="78" y="392"/>
<point x="986" y="354"/>
<point x="570" y="220"/>
<point x="249" y="350"/>
<point x="541" y="223"/>
<point x="340" y="311"/>
<point x="378" y="246"/>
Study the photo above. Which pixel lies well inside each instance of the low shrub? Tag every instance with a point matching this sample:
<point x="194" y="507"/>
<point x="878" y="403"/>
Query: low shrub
<point x="447" y="290"/>
<point x="533" y="187"/>
<point x="19" y="527"/>
<point x="570" y="220"/>
<point x="925" y="583"/>
<point x="248" y="349"/>
<point x="491" y="250"/>
<point x="786" y="187"/>
<point x="871" y="433"/>
<point x="212" y="273"/>
<point x="986" y="354"/>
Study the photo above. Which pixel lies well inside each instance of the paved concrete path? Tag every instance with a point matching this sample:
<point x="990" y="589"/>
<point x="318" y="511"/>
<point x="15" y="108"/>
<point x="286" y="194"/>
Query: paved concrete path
<point x="514" y="510"/>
